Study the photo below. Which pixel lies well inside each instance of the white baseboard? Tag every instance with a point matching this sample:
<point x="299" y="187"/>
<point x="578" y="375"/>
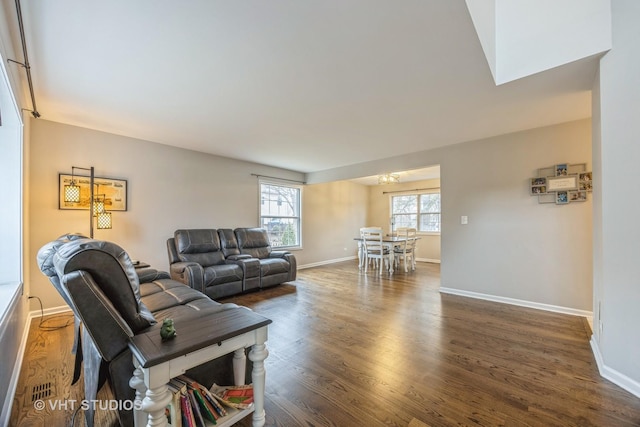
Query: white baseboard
<point x="612" y="375"/>
<point x="49" y="311"/>
<point x="349" y="258"/>
<point x="331" y="261"/>
<point x="519" y="302"/>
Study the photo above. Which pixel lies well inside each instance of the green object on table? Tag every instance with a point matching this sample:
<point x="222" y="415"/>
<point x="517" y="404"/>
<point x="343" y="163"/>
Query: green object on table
<point x="168" y="330"/>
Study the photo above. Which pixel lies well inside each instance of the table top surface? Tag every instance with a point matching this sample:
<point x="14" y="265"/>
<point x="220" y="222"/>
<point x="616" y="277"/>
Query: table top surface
<point x="195" y="334"/>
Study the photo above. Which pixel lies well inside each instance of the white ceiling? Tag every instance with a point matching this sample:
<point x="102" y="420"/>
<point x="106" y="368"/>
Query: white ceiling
<point x="303" y="85"/>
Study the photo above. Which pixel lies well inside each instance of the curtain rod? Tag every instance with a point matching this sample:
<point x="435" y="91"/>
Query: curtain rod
<point x="415" y="189"/>
<point x="279" y="179"/>
<point x="26" y="65"/>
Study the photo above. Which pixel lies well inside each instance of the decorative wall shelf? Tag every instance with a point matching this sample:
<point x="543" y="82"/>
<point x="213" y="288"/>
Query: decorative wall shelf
<point x="562" y="183"/>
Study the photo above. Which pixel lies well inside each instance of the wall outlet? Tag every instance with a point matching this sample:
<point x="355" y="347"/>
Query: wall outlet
<point x="464" y="220"/>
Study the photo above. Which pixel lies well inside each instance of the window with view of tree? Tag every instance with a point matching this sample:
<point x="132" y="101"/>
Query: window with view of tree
<point x="280" y="213"/>
<point x="420" y="211"/>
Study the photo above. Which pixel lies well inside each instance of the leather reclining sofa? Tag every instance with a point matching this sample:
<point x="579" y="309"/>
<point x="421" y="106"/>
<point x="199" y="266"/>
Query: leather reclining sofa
<point x="224" y="262"/>
<point x="115" y="301"/>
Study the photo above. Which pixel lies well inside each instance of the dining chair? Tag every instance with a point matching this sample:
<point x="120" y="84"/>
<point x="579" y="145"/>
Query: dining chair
<point x="407" y="250"/>
<point x="374" y="248"/>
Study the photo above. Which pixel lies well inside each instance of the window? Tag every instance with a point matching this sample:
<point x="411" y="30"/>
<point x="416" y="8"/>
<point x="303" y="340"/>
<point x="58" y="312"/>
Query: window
<point x="420" y="211"/>
<point x="280" y="213"/>
<point x="11" y="178"/>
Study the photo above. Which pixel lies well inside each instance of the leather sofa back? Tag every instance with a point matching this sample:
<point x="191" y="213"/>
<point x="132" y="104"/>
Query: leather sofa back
<point x="253" y="241"/>
<point x="111" y="269"/>
<point x="228" y="242"/>
<point x="199" y="245"/>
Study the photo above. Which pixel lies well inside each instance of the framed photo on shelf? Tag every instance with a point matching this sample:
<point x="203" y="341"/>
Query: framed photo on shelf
<point x="562" y="197"/>
<point x="562" y="169"/>
<point x="585" y="181"/>
<point x="562" y="183"/>
<point x="113" y="190"/>
<point x="538" y="186"/>
<point x="577" y="196"/>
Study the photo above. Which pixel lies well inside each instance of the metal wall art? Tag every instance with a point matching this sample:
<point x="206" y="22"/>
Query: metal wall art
<point x="113" y="192"/>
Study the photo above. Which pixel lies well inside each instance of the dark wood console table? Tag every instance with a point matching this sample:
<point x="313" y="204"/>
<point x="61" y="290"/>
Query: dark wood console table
<point x="199" y="341"/>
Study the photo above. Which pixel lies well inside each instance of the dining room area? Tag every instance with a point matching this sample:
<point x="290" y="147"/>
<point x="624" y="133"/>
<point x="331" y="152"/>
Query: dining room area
<point x="403" y="222"/>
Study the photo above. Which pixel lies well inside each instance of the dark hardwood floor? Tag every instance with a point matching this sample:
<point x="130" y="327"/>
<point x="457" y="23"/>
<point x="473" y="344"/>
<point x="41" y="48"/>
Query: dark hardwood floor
<point x="349" y="349"/>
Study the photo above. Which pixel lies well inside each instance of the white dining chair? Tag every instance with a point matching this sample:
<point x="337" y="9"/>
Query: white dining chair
<point x="374" y="248"/>
<point x="407" y="250"/>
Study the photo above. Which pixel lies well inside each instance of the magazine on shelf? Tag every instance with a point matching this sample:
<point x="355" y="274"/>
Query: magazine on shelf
<point x="237" y="396"/>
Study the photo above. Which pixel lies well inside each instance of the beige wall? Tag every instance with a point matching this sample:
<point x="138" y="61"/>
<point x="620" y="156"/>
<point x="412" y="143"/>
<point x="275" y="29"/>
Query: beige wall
<point x="333" y="214"/>
<point x="428" y="248"/>
<point x="169" y="188"/>
<point x="513" y="247"/>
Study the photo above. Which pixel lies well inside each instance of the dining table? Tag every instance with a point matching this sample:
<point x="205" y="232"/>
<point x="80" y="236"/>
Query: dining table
<point x="389" y="241"/>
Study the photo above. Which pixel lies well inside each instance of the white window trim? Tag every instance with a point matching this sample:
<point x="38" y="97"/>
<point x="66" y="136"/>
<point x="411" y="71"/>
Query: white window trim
<point x="417" y="193"/>
<point x="283" y="183"/>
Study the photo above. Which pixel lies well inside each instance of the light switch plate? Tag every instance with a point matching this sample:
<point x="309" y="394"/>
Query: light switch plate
<point x="464" y="220"/>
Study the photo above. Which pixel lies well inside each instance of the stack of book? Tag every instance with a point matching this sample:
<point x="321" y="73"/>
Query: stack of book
<point x="193" y="405"/>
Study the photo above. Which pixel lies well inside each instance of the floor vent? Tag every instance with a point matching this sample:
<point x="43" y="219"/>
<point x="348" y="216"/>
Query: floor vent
<point x="41" y="391"/>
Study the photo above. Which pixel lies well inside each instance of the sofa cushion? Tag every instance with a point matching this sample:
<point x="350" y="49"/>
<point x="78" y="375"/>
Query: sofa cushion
<point x="270" y="266"/>
<point x="199" y="245"/>
<point x="170" y="293"/>
<point x="223" y="273"/>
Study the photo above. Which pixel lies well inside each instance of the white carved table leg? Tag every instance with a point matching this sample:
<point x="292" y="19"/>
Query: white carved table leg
<point x="239" y="366"/>
<point x="391" y="257"/>
<point x="155" y="403"/>
<point x="137" y="382"/>
<point x="257" y="355"/>
<point x="360" y="255"/>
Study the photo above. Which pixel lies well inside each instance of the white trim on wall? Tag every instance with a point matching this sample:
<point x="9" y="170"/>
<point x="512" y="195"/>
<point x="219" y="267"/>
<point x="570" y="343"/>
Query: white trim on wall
<point x="330" y="261"/>
<point x="519" y="302"/>
<point x="612" y="375"/>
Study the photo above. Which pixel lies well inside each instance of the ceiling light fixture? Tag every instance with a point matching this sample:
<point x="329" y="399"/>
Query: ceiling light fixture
<point x="389" y="178"/>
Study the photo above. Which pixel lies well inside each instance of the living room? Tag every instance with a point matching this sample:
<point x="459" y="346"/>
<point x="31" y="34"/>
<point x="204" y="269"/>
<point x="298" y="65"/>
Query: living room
<point x="576" y="258"/>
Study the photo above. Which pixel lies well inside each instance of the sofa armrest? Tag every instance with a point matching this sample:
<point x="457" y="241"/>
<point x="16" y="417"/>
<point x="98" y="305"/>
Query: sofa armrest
<point x="291" y="259"/>
<point x="146" y="275"/>
<point x="189" y="273"/>
<point x="293" y="270"/>
<point x="250" y="270"/>
<point x="279" y="254"/>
